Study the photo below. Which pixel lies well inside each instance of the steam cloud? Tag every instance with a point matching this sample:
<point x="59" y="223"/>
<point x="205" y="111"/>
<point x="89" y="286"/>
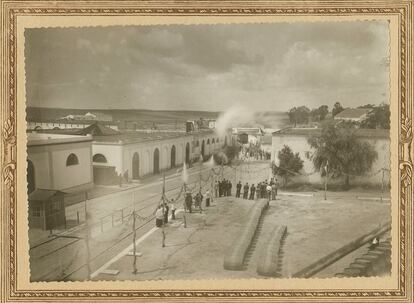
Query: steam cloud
<point x="235" y="116"/>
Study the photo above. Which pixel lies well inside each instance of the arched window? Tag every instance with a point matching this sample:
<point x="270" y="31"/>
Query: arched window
<point x="213" y="141"/>
<point x="99" y="158"/>
<point x="72" y="160"/>
<point x="208" y="141"/>
<point x="38" y="128"/>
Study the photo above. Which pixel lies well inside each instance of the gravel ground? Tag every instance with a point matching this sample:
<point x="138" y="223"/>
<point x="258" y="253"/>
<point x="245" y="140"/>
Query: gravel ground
<point x="315" y="228"/>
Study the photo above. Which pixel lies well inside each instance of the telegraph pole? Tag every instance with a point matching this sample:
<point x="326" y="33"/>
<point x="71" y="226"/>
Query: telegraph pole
<point x="88" y="252"/>
<point x="163" y="210"/>
<point x="326" y="178"/>
<point x="382" y="184"/>
<point x="135" y="270"/>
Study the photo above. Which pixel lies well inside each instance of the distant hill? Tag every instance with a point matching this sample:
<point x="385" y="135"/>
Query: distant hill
<point x="161" y="117"/>
<point x="40" y="113"/>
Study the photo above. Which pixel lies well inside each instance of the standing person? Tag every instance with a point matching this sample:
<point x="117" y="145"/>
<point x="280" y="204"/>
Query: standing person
<point x="230" y="186"/>
<point x="245" y="190"/>
<point x="269" y="191"/>
<point x="220" y="188"/>
<point x="166" y="210"/>
<point x="159" y="217"/>
<point x="216" y="188"/>
<point x="238" y="189"/>
<point x="252" y="190"/>
<point x="258" y="190"/>
<point x="172" y="207"/>
<point x="188" y="202"/>
<point x="274" y="191"/>
<point x="277" y="186"/>
<point x="207" y="198"/>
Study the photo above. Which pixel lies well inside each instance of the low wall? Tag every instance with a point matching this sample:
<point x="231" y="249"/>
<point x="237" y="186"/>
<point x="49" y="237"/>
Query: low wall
<point x="269" y="255"/>
<point x="233" y="260"/>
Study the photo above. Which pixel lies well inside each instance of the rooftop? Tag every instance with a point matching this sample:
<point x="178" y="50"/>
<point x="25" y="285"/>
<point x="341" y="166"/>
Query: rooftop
<point x="360" y="132"/>
<point x="353" y="113"/>
<point x="35" y="138"/>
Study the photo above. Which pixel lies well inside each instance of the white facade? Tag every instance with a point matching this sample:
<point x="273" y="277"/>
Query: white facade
<point x="60" y="162"/>
<point x="62" y="125"/>
<point x="299" y="143"/>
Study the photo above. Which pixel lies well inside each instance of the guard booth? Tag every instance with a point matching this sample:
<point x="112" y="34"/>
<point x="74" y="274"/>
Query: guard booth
<point x="46" y="209"/>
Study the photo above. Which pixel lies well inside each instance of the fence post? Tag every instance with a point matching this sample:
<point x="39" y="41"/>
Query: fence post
<point x="77" y="216"/>
<point x="135" y="270"/>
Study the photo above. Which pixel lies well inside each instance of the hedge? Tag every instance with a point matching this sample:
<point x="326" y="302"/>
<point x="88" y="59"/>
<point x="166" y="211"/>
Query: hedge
<point x="269" y="254"/>
<point x="233" y="260"/>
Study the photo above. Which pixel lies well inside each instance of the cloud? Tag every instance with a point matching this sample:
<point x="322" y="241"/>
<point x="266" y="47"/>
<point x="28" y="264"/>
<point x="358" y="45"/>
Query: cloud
<point x="208" y="67"/>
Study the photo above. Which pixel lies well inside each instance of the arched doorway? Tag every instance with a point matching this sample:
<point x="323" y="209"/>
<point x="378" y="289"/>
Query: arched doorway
<point x="173" y="156"/>
<point x="135" y="166"/>
<point x="31" y="185"/>
<point x="187" y="153"/>
<point x="202" y="149"/>
<point x="156" y="161"/>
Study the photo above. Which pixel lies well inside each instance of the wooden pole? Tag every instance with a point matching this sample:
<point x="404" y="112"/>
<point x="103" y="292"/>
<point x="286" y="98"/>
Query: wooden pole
<point x="185" y="206"/>
<point x="88" y="252"/>
<point x="382" y="184"/>
<point x="135" y="270"/>
<point x="326" y="178"/>
<point x="163" y="210"/>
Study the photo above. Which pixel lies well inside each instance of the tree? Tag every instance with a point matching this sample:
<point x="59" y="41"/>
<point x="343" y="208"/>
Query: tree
<point x="339" y="146"/>
<point x="289" y="164"/>
<point x="337" y="109"/>
<point x="323" y="112"/>
<point x="378" y="118"/>
<point x="299" y="115"/>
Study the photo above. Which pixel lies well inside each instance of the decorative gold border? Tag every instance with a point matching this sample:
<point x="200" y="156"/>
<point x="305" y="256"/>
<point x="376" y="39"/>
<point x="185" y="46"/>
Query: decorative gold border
<point x="11" y="9"/>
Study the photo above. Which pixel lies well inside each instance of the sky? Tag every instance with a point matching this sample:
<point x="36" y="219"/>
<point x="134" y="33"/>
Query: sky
<point x="266" y="67"/>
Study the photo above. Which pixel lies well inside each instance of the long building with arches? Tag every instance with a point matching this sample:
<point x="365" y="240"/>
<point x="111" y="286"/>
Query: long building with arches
<point x="137" y="154"/>
<point x="113" y="156"/>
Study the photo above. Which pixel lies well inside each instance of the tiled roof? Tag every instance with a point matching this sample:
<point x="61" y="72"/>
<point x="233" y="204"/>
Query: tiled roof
<point x="360" y="132"/>
<point x="97" y="129"/>
<point x="353" y="113"/>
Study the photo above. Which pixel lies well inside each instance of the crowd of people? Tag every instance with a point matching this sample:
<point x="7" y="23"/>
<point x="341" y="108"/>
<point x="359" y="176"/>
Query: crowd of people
<point x="254" y="152"/>
<point x="263" y="190"/>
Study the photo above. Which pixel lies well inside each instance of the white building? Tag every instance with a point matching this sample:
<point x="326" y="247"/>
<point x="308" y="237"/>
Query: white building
<point x="297" y="140"/>
<point x="353" y="114"/>
<point x="59" y="162"/>
<point x="136" y="154"/>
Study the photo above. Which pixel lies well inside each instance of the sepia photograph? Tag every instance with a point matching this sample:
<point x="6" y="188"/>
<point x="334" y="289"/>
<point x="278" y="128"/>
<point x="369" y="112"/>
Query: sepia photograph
<point x="220" y="151"/>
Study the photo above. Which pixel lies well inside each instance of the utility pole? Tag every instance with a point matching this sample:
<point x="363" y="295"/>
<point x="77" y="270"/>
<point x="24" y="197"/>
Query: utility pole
<point x="88" y="252"/>
<point x="382" y="183"/>
<point x="326" y="178"/>
<point x="163" y="210"/>
<point x="135" y="270"/>
<point x="185" y="206"/>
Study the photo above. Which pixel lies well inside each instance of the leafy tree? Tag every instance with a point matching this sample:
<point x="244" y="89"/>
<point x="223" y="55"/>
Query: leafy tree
<point x="299" y="115"/>
<point x="225" y="156"/>
<point x="345" y="154"/>
<point x="378" y="118"/>
<point x="337" y="109"/>
<point x="289" y="164"/>
<point x="323" y="112"/>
